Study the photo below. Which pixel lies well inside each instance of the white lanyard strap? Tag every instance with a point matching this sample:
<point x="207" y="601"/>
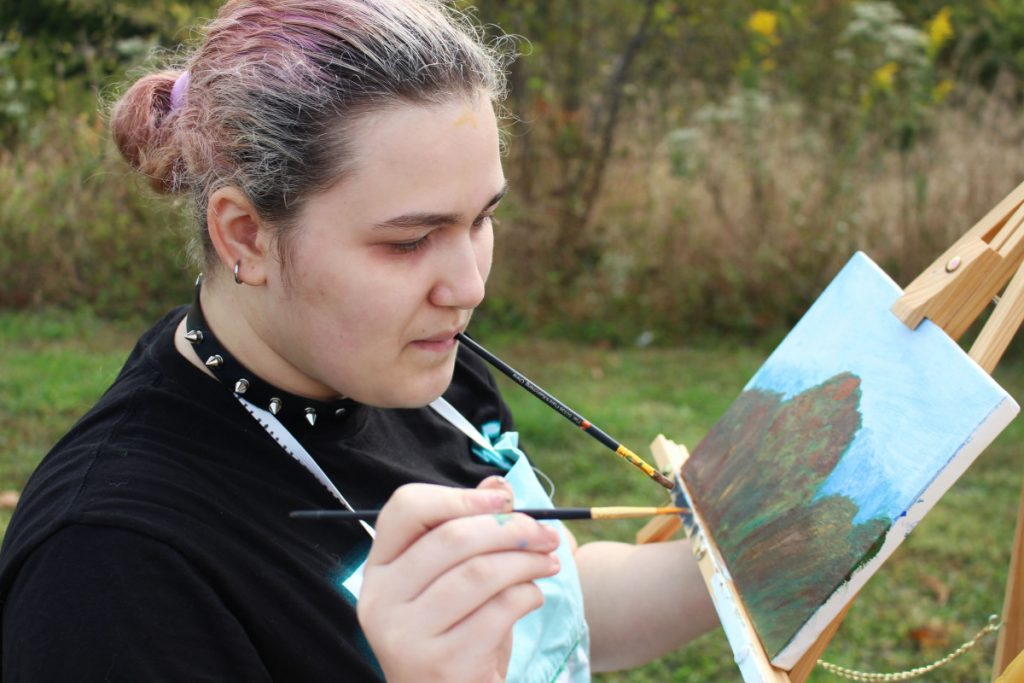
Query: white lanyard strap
<point x="448" y="412"/>
<point x="292" y="447"/>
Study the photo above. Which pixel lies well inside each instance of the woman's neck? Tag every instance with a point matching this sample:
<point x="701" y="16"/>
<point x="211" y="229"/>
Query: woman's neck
<point x="234" y="318"/>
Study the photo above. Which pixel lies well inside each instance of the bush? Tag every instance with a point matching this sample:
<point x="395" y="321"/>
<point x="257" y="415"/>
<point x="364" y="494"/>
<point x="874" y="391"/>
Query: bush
<point x="78" y="229"/>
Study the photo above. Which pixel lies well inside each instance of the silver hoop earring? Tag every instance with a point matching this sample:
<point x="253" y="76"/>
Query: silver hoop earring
<point x="238" y="264"/>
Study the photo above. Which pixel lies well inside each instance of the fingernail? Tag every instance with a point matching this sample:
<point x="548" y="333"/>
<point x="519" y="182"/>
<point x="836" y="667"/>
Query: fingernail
<point x="554" y="563"/>
<point x="494" y="479"/>
<point x="493" y="501"/>
<point x="552" y="533"/>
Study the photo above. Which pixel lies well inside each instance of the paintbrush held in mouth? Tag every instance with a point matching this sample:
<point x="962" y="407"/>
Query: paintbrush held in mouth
<point x="566" y="412"/>
<point x="613" y="512"/>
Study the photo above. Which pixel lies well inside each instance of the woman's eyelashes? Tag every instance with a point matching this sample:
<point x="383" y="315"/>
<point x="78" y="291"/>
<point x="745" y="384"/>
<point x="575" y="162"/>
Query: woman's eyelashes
<point x="485" y="218"/>
<point x="412" y="246"/>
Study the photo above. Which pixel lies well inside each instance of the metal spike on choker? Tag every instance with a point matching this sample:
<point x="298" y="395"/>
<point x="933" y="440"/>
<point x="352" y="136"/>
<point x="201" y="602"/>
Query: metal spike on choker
<point x="289" y="408"/>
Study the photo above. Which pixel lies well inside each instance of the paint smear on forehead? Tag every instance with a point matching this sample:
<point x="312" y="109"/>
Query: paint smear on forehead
<point x="467" y="115"/>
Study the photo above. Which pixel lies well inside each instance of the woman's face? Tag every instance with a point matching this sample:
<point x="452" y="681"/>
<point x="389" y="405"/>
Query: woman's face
<point x="388" y="265"/>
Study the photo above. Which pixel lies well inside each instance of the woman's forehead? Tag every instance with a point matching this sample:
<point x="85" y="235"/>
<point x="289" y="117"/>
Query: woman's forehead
<point x="416" y="149"/>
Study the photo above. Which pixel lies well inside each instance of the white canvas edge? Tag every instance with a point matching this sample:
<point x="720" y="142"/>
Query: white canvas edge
<point x="994" y="423"/>
<point x="732" y="614"/>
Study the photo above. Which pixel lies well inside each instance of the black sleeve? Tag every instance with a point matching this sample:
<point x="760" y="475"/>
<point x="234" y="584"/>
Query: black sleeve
<point x="119" y="606"/>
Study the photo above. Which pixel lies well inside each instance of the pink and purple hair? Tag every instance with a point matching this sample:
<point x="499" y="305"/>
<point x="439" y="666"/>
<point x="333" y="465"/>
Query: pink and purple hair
<point x="268" y="101"/>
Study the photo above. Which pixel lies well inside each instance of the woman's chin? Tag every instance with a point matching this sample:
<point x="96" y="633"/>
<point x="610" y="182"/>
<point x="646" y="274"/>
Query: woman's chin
<point x="415" y="392"/>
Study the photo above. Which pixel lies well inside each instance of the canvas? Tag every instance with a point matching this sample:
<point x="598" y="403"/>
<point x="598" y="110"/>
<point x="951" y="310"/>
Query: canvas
<point x="850" y="431"/>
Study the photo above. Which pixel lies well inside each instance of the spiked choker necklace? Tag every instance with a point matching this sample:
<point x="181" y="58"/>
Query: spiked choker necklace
<point x="292" y="410"/>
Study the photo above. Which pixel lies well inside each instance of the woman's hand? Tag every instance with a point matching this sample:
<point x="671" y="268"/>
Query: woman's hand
<point x="447" y="577"/>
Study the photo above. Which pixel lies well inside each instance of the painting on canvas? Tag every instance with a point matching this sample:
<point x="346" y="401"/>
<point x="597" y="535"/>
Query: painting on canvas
<point x="845" y="437"/>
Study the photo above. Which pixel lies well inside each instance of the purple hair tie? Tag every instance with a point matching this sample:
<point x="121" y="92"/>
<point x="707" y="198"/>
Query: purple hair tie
<point x="178" y="90"/>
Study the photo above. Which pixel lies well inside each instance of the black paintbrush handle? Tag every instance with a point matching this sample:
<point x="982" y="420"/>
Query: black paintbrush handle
<point x="565" y="411"/>
<point x="371" y="515"/>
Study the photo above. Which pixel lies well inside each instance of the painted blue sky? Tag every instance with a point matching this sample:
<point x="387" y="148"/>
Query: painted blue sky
<point x="922" y="397"/>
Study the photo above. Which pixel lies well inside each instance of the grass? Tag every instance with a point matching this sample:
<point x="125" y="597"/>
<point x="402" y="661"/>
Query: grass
<point x="53" y="365"/>
<point x="935" y="592"/>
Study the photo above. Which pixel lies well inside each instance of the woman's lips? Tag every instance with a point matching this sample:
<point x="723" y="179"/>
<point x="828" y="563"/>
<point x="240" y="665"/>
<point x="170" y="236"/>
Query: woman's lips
<point x="438" y="343"/>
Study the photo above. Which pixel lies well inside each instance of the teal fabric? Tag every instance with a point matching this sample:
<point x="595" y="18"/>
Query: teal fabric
<point x="504" y="451"/>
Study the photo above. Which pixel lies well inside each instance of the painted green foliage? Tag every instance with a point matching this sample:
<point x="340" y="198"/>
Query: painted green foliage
<point x="754" y="480"/>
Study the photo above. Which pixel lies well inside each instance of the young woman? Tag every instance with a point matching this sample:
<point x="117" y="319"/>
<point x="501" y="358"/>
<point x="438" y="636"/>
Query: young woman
<point x="343" y="161"/>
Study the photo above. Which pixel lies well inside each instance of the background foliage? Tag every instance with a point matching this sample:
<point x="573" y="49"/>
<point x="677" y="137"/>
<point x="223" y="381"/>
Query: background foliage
<point x="678" y="167"/>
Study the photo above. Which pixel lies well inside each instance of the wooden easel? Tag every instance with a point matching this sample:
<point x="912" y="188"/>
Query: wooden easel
<point x="952" y="293"/>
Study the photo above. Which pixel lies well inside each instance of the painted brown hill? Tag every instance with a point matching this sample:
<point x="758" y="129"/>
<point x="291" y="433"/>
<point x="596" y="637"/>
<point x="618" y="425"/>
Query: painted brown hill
<point x="754" y="479"/>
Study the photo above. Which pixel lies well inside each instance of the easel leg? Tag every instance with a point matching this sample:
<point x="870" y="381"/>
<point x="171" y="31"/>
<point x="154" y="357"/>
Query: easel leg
<point x="1011" y="637"/>
<point x="999" y="329"/>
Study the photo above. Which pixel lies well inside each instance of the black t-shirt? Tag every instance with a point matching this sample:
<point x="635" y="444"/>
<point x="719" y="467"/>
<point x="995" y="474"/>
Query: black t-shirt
<point x="153" y="542"/>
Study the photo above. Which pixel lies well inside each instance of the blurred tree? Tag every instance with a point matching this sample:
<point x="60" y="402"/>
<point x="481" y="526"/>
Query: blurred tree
<point x="991" y="46"/>
<point x="570" y="87"/>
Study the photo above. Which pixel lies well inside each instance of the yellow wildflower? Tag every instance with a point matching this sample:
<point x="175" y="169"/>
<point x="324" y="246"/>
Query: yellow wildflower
<point x="884" y="75"/>
<point x="942" y="89"/>
<point x="940" y="30"/>
<point x="764" y="23"/>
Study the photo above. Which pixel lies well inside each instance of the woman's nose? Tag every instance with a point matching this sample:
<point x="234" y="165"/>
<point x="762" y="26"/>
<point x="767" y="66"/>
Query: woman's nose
<point x="463" y="274"/>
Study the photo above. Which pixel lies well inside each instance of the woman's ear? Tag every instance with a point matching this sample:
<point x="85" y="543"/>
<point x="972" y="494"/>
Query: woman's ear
<point x="239" y="236"/>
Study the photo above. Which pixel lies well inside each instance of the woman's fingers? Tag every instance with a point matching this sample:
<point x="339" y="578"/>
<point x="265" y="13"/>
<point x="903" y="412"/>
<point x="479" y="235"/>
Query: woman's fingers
<point x="476" y="583"/>
<point x="496" y="482"/>
<point x="491" y="625"/>
<point x="487" y="633"/>
<point x="473" y="650"/>
<point x="448" y="575"/>
<point x="470" y="544"/>
<point x="415" y="509"/>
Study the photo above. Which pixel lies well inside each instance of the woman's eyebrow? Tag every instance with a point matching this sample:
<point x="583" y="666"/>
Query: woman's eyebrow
<point x="498" y="197"/>
<point x="434" y="220"/>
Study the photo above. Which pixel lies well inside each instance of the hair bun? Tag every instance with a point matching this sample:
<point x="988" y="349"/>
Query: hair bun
<point x="142" y="125"/>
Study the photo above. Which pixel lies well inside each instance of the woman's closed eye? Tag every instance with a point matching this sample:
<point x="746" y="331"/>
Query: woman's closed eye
<point x="414" y="245"/>
<point x="410" y="246"/>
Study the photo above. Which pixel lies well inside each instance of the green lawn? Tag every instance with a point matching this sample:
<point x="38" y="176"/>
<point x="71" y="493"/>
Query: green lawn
<point x="936" y="591"/>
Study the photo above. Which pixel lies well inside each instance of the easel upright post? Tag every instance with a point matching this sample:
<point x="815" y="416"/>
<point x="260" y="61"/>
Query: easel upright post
<point x="952" y="293"/>
<point x="1011" y="638"/>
